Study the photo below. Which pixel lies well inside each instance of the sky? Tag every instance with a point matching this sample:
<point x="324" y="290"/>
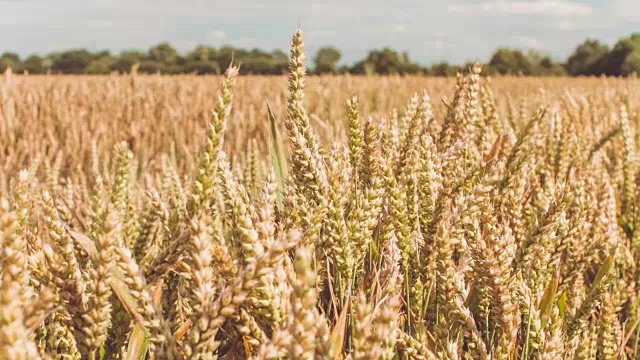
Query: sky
<point x="430" y="30"/>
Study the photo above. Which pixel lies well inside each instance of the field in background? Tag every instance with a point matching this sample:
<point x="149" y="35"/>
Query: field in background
<point x="172" y="216"/>
<point x="66" y="116"/>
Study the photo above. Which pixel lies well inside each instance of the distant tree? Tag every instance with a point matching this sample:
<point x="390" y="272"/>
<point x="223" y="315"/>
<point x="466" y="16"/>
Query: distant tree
<point x="344" y="69"/>
<point x="488" y="70"/>
<point x="280" y="56"/>
<point x="100" y="66"/>
<point x="510" y="61"/>
<point x="126" y="60"/>
<point x="200" y="60"/>
<point x="202" y="67"/>
<point x="587" y="58"/>
<point x="33" y="65"/>
<point x="541" y="64"/>
<point x="202" y="53"/>
<point x="256" y="62"/>
<point x="444" y="69"/>
<point x="150" y="67"/>
<point x="227" y="54"/>
<point x="281" y="62"/>
<point x="631" y="64"/>
<point x="11" y="57"/>
<point x="327" y="59"/>
<point x="547" y="67"/>
<point x="10" y="60"/>
<point x="101" y="63"/>
<point x="163" y="53"/>
<point x="71" y="61"/>
<point x="623" y="58"/>
<point x="47" y="63"/>
<point x="176" y="67"/>
<point x="386" y="62"/>
<point x="368" y="68"/>
<point x="411" y="68"/>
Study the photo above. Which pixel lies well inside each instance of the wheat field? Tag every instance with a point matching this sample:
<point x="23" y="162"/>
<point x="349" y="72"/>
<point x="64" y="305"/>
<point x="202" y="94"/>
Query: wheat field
<point x="185" y="217"/>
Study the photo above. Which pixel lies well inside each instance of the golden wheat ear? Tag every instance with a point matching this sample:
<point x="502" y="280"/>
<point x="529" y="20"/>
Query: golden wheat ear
<point x="142" y="217"/>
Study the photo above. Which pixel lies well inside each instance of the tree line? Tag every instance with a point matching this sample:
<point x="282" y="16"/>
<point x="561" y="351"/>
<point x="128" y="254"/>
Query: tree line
<point x="591" y="58"/>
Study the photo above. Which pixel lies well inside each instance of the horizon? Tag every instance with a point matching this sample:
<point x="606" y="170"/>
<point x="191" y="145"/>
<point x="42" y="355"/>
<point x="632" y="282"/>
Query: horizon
<point x="451" y="31"/>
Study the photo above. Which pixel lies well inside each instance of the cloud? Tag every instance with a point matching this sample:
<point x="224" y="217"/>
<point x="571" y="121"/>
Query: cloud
<point x="217" y="34"/>
<point x="531" y="42"/>
<point x="507" y="7"/>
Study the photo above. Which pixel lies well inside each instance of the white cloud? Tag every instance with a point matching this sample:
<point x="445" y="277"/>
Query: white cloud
<point x="217" y="34"/>
<point x="540" y="7"/>
<point x="531" y="43"/>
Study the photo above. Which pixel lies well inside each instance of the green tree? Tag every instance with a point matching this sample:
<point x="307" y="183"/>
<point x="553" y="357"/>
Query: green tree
<point x="71" y="61"/>
<point x="510" y="61"/>
<point x="101" y="63"/>
<point x="151" y="67"/>
<point x="623" y="58"/>
<point x="10" y="60"/>
<point x="202" y="67"/>
<point x="98" y="67"/>
<point x="280" y="61"/>
<point x="444" y="69"/>
<point x="227" y="54"/>
<point x="541" y="64"/>
<point x="202" y="53"/>
<point x="33" y="65"/>
<point x="327" y="59"/>
<point x="386" y="62"/>
<point x="163" y="53"/>
<point x="411" y="68"/>
<point x="259" y="62"/>
<point x="201" y="60"/>
<point x="126" y="60"/>
<point x="547" y="67"/>
<point x="587" y="58"/>
<point x="176" y="67"/>
<point x="631" y="64"/>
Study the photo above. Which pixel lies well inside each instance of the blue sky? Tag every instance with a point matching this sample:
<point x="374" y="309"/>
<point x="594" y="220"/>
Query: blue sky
<point x="430" y="30"/>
